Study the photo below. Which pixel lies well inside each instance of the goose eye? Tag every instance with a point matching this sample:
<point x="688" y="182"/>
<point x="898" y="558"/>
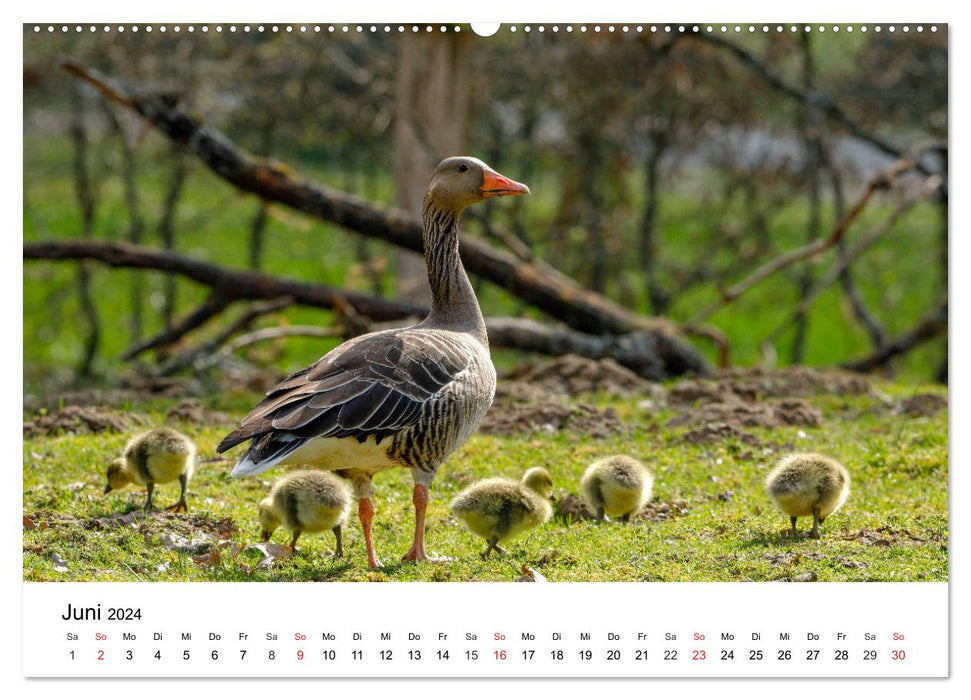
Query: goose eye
<point x="462" y="167"/>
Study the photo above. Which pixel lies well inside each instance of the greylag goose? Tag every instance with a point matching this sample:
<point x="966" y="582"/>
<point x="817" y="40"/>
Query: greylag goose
<point x="500" y="509"/>
<point x="808" y="484"/>
<point x="306" y="501"/>
<point x="407" y="397"/>
<point x="616" y="486"/>
<point x="155" y="457"/>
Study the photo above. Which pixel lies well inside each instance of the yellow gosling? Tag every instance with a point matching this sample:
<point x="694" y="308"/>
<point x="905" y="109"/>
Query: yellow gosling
<point x="500" y="509"/>
<point x="155" y="457"/>
<point x="808" y="484"/>
<point x="306" y="501"/>
<point x="617" y="487"/>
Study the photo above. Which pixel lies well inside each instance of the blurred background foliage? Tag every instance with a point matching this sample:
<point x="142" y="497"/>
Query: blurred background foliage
<point x="663" y="169"/>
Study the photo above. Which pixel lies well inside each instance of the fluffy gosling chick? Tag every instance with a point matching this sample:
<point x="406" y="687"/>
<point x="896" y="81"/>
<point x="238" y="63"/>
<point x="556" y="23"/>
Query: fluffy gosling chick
<point x="306" y="501"/>
<point x="500" y="509"/>
<point x="808" y="484"/>
<point x="156" y="457"/>
<point x="617" y="486"/>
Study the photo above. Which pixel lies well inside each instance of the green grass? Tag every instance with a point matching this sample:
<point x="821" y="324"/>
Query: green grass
<point x="894" y="526"/>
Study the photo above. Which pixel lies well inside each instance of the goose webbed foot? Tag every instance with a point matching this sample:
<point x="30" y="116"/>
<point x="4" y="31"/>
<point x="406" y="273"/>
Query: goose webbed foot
<point x="814" y="533"/>
<point x="179" y="506"/>
<point x="493" y="547"/>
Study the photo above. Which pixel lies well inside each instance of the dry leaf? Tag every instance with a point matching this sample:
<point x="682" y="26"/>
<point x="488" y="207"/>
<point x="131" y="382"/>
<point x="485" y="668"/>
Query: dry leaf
<point x="271" y="552"/>
<point x="531" y="575"/>
<point x="196" y="546"/>
<point x="29" y="524"/>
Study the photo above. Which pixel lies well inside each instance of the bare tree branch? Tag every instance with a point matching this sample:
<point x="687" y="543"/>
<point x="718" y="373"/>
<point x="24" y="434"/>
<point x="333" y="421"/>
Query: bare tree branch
<point x="850" y="254"/>
<point x="556" y="295"/>
<point x="930" y="326"/>
<point x="881" y="181"/>
<point x="819" y="100"/>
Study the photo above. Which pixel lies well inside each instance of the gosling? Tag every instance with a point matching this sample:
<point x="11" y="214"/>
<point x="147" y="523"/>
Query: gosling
<point x="500" y="509"/>
<point x="616" y="487"/>
<point x="808" y="484"/>
<point x="156" y="457"/>
<point x="306" y="501"/>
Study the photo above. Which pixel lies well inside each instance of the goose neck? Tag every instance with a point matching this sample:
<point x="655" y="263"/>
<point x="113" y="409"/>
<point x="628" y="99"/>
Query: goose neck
<point x="454" y="304"/>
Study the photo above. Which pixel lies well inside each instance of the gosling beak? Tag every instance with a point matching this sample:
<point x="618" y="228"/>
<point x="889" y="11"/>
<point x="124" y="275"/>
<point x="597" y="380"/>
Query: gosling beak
<point x="108" y="488"/>
<point x="496" y="185"/>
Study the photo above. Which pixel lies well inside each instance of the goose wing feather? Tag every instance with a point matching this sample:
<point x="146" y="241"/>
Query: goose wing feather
<point x="375" y="384"/>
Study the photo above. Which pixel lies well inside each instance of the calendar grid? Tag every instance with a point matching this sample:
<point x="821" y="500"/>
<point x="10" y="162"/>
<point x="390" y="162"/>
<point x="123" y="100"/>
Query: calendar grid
<point x="473" y="630"/>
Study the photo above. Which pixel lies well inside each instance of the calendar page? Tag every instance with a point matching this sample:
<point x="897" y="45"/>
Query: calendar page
<point x="493" y="350"/>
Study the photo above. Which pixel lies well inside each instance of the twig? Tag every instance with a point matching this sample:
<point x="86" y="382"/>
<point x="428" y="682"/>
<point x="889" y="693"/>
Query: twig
<point x="711" y="333"/>
<point x="930" y="326"/>
<point x="214" y="304"/>
<point x="263" y="334"/>
<point x="245" y="320"/>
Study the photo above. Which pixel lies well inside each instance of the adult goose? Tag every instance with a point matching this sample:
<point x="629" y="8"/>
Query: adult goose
<point x="407" y="397"/>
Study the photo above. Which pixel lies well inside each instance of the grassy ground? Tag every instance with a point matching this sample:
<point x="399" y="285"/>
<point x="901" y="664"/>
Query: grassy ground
<point x="709" y="519"/>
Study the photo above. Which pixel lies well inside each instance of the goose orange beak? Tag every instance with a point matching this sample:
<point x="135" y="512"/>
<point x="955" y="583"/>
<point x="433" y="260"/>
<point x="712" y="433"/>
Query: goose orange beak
<point x="496" y="185"/>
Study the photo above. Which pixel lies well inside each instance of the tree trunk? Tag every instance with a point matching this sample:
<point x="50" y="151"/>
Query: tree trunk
<point x="431" y="116"/>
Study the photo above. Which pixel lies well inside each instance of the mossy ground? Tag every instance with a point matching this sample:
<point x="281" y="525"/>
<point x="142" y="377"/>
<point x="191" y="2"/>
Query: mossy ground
<point x="720" y="526"/>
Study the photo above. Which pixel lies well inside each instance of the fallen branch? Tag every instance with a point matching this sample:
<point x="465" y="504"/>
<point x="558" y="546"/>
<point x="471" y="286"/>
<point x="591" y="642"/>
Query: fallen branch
<point x="654" y="353"/>
<point x="930" y="326"/>
<point x="262" y="334"/>
<point x="189" y="357"/>
<point x="556" y="295"/>
<point x="881" y="181"/>
<point x="214" y="304"/>
<point x="229" y="283"/>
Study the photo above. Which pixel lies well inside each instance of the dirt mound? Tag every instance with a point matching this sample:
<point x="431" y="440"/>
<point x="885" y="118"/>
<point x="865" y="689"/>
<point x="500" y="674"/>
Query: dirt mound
<point x="717" y="432"/>
<point x="80" y="420"/>
<point x="572" y="509"/>
<point x="550" y="415"/>
<point x="756" y="384"/>
<point x="923" y="405"/>
<point x="128" y="391"/>
<point x="658" y="512"/>
<point x="766" y="414"/>
<point x="192" y="411"/>
<point x="571" y="375"/>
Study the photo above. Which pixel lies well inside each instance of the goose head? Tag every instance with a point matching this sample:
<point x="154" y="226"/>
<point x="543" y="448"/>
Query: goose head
<point x="269" y="518"/>
<point x="539" y="481"/>
<point x="118" y="475"/>
<point x="462" y="180"/>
